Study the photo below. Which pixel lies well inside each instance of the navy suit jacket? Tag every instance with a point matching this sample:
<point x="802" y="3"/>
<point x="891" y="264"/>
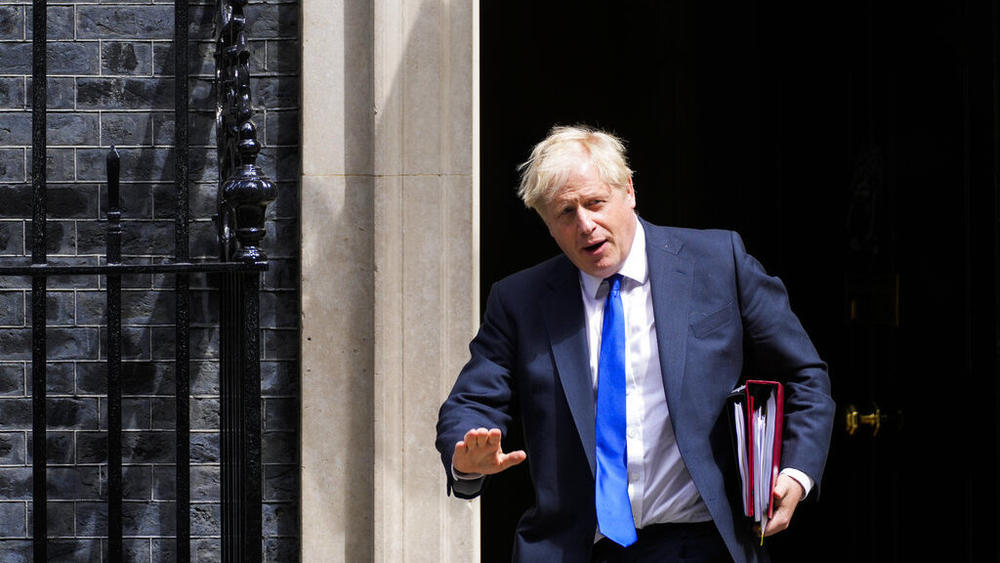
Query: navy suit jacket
<point x="718" y="315"/>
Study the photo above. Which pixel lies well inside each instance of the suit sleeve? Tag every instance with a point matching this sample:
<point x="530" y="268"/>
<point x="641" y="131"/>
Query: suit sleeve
<point x="483" y="394"/>
<point x="780" y="348"/>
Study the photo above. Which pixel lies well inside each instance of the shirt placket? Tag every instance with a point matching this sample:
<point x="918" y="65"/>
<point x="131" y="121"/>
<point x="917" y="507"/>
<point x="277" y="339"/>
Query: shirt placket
<point x="634" y="408"/>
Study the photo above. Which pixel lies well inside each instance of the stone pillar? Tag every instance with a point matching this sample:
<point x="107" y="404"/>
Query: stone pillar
<point x="389" y="273"/>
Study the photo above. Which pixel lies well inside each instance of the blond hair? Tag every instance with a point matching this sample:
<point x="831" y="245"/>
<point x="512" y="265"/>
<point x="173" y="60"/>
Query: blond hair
<point x="552" y="161"/>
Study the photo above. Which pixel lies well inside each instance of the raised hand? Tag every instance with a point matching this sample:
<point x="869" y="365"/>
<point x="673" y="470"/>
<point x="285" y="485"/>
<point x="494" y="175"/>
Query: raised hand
<point x="479" y="453"/>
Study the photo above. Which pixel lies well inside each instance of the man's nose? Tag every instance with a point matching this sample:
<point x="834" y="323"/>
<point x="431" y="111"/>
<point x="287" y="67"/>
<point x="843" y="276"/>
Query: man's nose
<point x="585" y="220"/>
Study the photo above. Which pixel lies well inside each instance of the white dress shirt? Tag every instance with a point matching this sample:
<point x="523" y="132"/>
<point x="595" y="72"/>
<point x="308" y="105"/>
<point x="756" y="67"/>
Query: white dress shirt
<point x="660" y="487"/>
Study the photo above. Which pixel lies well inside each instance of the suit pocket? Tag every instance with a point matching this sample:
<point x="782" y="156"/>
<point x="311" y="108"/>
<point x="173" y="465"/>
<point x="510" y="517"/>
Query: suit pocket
<point x="702" y="325"/>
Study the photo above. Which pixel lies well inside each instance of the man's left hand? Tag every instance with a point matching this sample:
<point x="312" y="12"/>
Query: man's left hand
<point x="787" y="494"/>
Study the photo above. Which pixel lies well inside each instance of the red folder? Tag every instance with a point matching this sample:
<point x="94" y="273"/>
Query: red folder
<point x="758" y="410"/>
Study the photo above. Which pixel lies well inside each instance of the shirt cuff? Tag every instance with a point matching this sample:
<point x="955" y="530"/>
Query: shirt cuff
<point x="461" y="476"/>
<point x="803" y="479"/>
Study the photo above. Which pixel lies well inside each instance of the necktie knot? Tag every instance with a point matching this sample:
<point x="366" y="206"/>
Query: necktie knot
<point x="614" y="285"/>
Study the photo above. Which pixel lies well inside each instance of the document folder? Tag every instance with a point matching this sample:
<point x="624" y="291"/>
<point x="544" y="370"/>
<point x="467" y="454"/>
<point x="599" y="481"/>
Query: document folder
<point x="757" y="409"/>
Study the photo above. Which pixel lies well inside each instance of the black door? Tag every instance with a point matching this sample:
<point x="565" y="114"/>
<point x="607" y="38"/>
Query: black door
<point x="854" y="145"/>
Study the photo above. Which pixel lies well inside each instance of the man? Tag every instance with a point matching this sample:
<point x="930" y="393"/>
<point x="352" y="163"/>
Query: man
<point x="617" y="357"/>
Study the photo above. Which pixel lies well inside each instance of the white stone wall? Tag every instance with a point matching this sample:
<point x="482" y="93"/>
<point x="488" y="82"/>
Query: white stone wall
<point x="389" y="273"/>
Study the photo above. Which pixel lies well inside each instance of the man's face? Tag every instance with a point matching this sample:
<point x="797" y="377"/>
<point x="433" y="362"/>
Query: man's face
<point x="592" y="222"/>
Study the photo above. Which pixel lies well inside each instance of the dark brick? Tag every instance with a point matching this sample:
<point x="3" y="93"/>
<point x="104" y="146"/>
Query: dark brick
<point x="137" y="164"/>
<point x="60" y="93"/>
<point x="279" y="310"/>
<point x="58" y="23"/>
<point x="72" y="343"/>
<point x="91" y="518"/>
<point x="279" y="447"/>
<point x="204" y="413"/>
<point x="279" y="163"/>
<point x="148" y="519"/>
<point x="282" y="274"/>
<point x="204" y="240"/>
<point x="280" y="344"/>
<point x="59" y="378"/>
<point x="60" y="236"/>
<point x="73" y="483"/>
<point x="14" y="282"/>
<point x="280" y="519"/>
<point x="12" y="165"/>
<point x="15" y="344"/>
<point x="11" y="92"/>
<point x="138" y="378"/>
<point x="204" y="342"/>
<point x="206" y="551"/>
<point x="132" y="58"/>
<point x="281" y="482"/>
<point x="272" y="20"/>
<point x="281" y="414"/>
<point x="201" y="131"/>
<point x="76" y="201"/>
<point x="12" y="448"/>
<point x="75" y="551"/>
<point x="126" y="129"/>
<point x="11" y="22"/>
<point x="125" y="93"/>
<point x="137" y="202"/>
<point x="137" y="482"/>
<point x="275" y="92"/>
<point x="59" y="447"/>
<point x="59" y="164"/>
<point x="202" y="22"/>
<point x="283" y="57"/>
<point x="11" y="309"/>
<point x="72" y="129"/>
<point x="202" y="94"/>
<point x="205" y="378"/>
<point x="205" y="447"/>
<point x="164" y="413"/>
<point x="285" y="550"/>
<point x="62" y="58"/>
<point x="59" y="517"/>
<point x="282" y="128"/>
<point x="279" y="378"/>
<point x="206" y="519"/>
<point x="15" y="483"/>
<point x="205" y="307"/>
<point x="201" y="59"/>
<point x="75" y="282"/>
<point x="125" y="22"/>
<point x="16" y="551"/>
<point x="16" y="201"/>
<point x="12" y="238"/>
<point x="15" y="128"/>
<point x="138" y="238"/>
<point x="59" y="307"/>
<point x="71" y="414"/>
<point x="12" y="521"/>
<point x="135" y="413"/>
<point x="135" y="343"/>
<point x="137" y="447"/>
<point x="11" y="379"/>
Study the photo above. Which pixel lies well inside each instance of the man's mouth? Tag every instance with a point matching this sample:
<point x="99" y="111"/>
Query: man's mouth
<point x="594" y="247"/>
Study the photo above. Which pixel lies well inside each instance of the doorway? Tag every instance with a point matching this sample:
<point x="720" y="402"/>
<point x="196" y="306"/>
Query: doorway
<point x="854" y="146"/>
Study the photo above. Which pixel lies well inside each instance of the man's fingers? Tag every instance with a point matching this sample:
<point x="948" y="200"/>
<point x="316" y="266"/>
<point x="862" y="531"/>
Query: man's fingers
<point x="512" y="459"/>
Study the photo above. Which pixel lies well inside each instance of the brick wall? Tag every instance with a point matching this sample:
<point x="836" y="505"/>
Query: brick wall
<point x="111" y="67"/>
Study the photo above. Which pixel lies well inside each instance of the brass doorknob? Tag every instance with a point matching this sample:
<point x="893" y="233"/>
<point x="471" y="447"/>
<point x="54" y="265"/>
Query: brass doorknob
<point x="855" y="420"/>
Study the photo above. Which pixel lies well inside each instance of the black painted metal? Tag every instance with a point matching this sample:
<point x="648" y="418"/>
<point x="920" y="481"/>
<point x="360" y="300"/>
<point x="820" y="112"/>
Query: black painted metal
<point x="114" y="297"/>
<point x="39" y="88"/>
<point x="242" y="199"/>
<point x="182" y="389"/>
<point x="243" y="195"/>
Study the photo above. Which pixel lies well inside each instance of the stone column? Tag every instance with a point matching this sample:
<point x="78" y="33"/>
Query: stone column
<point x="389" y="273"/>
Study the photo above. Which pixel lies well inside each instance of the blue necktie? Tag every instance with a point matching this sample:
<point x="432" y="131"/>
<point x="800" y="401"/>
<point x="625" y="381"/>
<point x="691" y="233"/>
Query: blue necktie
<point x="614" y="511"/>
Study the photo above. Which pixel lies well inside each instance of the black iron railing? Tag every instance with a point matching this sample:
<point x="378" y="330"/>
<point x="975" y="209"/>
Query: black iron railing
<point x="243" y="196"/>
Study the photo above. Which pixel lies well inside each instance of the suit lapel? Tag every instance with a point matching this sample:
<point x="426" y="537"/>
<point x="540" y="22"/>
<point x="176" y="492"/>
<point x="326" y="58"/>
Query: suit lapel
<point x="566" y="326"/>
<point x="670" y="283"/>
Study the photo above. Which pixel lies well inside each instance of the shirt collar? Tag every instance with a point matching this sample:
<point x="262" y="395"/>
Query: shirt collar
<point x="635" y="267"/>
